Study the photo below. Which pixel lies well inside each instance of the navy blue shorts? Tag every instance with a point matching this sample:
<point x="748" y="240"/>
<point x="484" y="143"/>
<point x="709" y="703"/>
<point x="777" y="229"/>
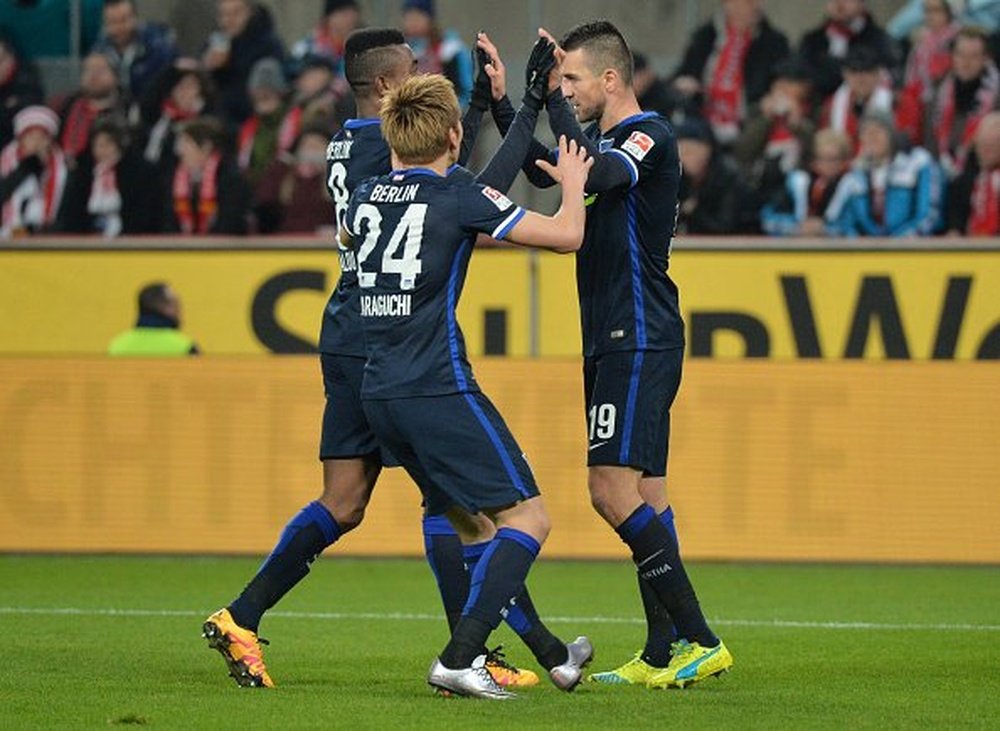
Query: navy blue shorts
<point x="346" y="434"/>
<point x="628" y="396"/>
<point x="457" y="449"/>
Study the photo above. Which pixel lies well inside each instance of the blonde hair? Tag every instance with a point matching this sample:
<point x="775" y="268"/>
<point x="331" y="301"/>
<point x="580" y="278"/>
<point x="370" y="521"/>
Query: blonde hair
<point x="417" y="116"/>
<point x="834" y="138"/>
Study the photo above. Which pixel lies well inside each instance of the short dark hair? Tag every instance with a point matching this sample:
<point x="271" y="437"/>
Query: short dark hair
<point x="972" y="33"/>
<point x="115" y="127"/>
<point x="120" y="2"/>
<point x="368" y="54"/>
<point x="606" y="45"/>
<point x="204" y="129"/>
<point x="152" y="297"/>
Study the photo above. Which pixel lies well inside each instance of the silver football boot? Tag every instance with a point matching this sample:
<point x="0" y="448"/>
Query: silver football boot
<point x="568" y="675"/>
<point x="473" y="682"/>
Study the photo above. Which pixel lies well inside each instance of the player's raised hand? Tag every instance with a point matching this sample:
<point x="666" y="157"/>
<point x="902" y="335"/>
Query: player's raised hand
<point x="536" y="73"/>
<point x="572" y="167"/>
<point x="555" y="78"/>
<point x="494" y="67"/>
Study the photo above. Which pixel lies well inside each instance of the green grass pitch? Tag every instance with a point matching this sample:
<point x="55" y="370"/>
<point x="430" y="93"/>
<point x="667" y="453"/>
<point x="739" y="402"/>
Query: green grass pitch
<point x="98" y="642"/>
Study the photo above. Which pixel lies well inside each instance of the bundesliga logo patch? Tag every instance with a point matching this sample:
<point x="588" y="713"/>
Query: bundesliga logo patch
<point x="638" y="145"/>
<point x="502" y="202"/>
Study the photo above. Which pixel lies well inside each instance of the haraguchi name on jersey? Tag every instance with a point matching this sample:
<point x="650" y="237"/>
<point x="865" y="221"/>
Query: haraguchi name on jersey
<point x="386" y="305"/>
<point x="394" y="193"/>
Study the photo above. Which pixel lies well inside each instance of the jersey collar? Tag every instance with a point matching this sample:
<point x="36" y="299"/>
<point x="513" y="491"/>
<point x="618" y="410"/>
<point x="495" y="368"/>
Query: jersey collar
<point x="634" y="118"/>
<point x="410" y="172"/>
<point x="359" y="123"/>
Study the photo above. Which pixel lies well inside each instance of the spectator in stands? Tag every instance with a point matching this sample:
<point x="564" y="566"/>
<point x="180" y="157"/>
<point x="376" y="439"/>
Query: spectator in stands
<point x="182" y="92"/>
<point x="437" y="51"/>
<point x="866" y="88"/>
<point x="713" y="198"/>
<point x="654" y="94"/>
<point x="889" y="192"/>
<point x="777" y="135"/>
<point x="984" y="14"/>
<point x="99" y="95"/>
<point x="340" y="19"/>
<point x="729" y="64"/>
<point x="804" y="205"/>
<point x="292" y="195"/>
<point x="19" y="87"/>
<point x="848" y="25"/>
<point x="113" y="191"/>
<point x="268" y="131"/>
<point x="157" y="331"/>
<point x="968" y="93"/>
<point x="246" y="35"/>
<point x="140" y="50"/>
<point x="974" y="198"/>
<point x="208" y="195"/>
<point x="318" y="98"/>
<point x="32" y="174"/>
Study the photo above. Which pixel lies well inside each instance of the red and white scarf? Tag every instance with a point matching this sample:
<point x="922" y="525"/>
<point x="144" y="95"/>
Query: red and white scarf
<point x="170" y="116"/>
<point x="197" y="220"/>
<point x="841" y="114"/>
<point x="953" y="154"/>
<point x="930" y="61"/>
<point x="840" y="35"/>
<point x="724" y="104"/>
<point x="289" y="130"/>
<point x="985" y="218"/>
<point x="76" y="128"/>
<point x="105" y="202"/>
<point x="35" y="202"/>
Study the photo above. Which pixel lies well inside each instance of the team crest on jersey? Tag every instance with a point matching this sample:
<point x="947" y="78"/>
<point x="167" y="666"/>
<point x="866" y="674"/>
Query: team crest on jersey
<point x="638" y="145"/>
<point x="502" y="202"/>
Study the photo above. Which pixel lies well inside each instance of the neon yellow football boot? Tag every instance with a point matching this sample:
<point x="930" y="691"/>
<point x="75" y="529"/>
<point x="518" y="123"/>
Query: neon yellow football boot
<point x="505" y="674"/>
<point x="240" y="648"/>
<point x="635" y="672"/>
<point x="691" y="663"/>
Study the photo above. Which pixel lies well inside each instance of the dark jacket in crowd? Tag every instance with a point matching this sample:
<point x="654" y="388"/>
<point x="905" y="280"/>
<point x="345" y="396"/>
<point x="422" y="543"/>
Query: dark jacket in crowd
<point x="141" y="198"/>
<point x="768" y="47"/>
<point x="154" y="51"/>
<point x="724" y="204"/>
<point x="814" y="50"/>
<point x="258" y="40"/>
<point x="22" y="90"/>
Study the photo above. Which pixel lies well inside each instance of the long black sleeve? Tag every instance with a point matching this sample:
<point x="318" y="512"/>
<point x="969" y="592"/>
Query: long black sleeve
<point x="470" y="131"/>
<point x="26" y="168"/>
<point x="606" y="174"/>
<point x="509" y="158"/>
<point x="503" y="115"/>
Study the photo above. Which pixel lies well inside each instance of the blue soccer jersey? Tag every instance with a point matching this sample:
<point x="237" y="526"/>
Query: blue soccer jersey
<point x="413" y="232"/>
<point x="356" y="153"/>
<point x="627" y="300"/>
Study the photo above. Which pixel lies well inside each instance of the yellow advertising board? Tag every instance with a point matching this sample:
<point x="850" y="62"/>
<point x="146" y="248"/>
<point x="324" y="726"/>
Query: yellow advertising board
<point x="769" y="461"/>
<point x="769" y="304"/>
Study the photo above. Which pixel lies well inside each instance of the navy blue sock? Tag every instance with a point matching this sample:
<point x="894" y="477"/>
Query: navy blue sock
<point x="445" y="555"/>
<point x="654" y="551"/>
<point x="522" y="617"/>
<point x="498" y="578"/>
<point x="660" y="631"/>
<point x="303" y="539"/>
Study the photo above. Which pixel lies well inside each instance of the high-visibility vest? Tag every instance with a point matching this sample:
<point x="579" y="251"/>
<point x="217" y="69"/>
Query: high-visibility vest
<point x="151" y="342"/>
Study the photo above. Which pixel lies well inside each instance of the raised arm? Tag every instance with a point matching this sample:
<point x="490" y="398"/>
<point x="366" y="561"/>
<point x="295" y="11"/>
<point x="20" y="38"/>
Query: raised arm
<point x="562" y="232"/>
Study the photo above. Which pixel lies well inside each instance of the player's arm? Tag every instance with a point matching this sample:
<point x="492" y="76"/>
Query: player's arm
<point x="479" y="102"/>
<point x="503" y="111"/>
<point x="562" y="232"/>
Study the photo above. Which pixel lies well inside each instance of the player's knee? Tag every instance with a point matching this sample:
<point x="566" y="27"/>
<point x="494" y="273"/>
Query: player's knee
<point x="347" y="511"/>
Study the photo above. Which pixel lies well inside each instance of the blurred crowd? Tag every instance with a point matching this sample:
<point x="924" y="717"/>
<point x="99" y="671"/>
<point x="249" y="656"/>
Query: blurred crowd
<point x="856" y="130"/>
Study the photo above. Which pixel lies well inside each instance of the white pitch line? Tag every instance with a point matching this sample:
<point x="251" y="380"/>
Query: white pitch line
<point x="402" y="616"/>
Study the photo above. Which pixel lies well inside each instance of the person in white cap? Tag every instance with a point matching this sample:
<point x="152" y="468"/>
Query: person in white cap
<point x="32" y="174"/>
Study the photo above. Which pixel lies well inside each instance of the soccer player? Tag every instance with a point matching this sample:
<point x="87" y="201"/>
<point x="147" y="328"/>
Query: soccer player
<point x="633" y="341"/>
<point x="413" y="232"/>
<point x="375" y="60"/>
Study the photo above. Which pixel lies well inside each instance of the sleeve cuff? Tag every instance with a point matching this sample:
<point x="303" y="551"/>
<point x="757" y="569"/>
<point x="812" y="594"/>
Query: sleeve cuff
<point x="508" y="223"/>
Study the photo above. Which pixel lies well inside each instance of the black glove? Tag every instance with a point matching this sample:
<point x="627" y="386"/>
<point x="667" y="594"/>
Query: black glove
<point x="536" y="73"/>
<point x="482" y="89"/>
